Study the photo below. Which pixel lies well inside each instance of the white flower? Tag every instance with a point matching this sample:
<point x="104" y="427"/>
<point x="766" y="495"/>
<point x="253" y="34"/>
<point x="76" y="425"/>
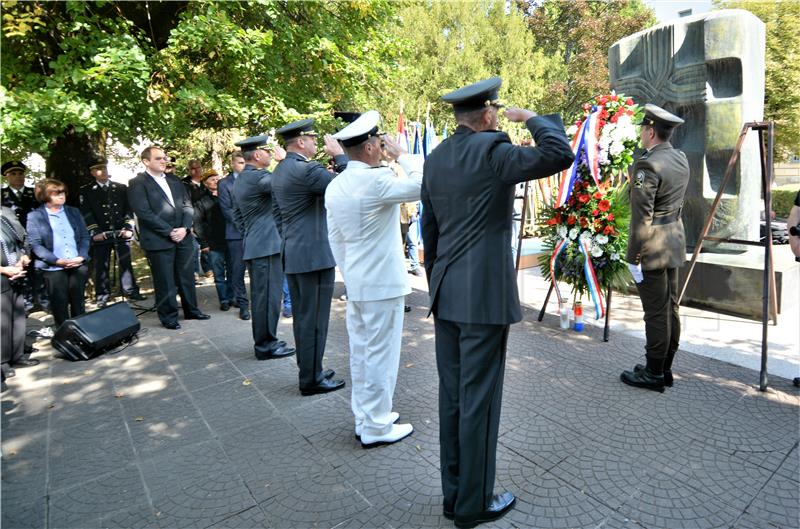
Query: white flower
<point x="615" y="256"/>
<point x="596" y="251"/>
<point x="601" y="239"/>
<point x="572" y="130"/>
<point x="573" y="233"/>
<point x="624" y="121"/>
<point x="585" y="235"/>
<point x="616" y="148"/>
<point x="562" y="231"/>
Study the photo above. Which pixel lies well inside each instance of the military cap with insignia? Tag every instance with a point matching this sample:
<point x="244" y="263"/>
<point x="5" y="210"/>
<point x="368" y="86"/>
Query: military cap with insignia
<point x="475" y="96"/>
<point x="253" y="143"/>
<point x="9" y="166"/>
<point x="655" y="115"/>
<point x="360" y="130"/>
<point x="97" y="161"/>
<point x="303" y="127"/>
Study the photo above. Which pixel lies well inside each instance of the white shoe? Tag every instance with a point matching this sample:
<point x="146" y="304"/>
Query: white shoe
<point x="393" y="417"/>
<point x="398" y="431"/>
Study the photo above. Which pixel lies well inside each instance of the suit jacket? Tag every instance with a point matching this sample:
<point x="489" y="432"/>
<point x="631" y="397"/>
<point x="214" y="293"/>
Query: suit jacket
<point x="40" y="235"/>
<point x="468" y="198"/>
<point x="196" y="192"/>
<point x="658" y="185"/>
<point x="15" y="240"/>
<point x="298" y="190"/>
<point x="209" y="224"/>
<point x="252" y="194"/>
<point x="21" y="205"/>
<point x="105" y="209"/>
<point x="363" y="206"/>
<point x="155" y="216"/>
<point x="226" y="205"/>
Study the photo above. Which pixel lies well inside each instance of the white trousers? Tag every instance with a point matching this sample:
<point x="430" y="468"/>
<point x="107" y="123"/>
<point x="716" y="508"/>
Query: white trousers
<point x="375" y="329"/>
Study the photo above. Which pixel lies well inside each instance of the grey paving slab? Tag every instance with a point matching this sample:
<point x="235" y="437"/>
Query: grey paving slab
<point x="188" y="429"/>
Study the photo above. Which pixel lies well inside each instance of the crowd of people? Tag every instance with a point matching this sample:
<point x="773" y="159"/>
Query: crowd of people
<point x="290" y="227"/>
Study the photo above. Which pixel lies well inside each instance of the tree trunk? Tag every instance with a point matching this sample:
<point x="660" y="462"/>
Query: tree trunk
<point x="69" y="159"/>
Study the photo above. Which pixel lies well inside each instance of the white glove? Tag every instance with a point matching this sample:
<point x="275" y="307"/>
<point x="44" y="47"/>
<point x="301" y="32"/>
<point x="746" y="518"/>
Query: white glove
<point x="636" y="272"/>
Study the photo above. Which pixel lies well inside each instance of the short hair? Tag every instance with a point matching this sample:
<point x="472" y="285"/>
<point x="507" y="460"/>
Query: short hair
<point x="47" y="188"/>
<point x="237" y="154"/>
<point x="663" y="133"/>
<point x="148" y="150"/>
<point x="248" y="155"/>
<point x="194" y="161"/>
<point x="471" y="118"/>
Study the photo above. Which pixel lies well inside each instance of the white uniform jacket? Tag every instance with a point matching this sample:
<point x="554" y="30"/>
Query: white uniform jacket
<point x="363" y="209"/>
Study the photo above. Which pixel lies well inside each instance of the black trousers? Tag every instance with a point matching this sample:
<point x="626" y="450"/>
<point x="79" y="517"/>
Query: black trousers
<point x="311" y="306"/>
<point x="12" y="327"/>
<point x="173" y="273"/>
<point x="662" y="325"/>
<point x="266" y="286"/>
<point x="471" y="361"/>
<point x="236" y="266"/>
<point x="101" y="257"/>
<point x="65" y="289"/>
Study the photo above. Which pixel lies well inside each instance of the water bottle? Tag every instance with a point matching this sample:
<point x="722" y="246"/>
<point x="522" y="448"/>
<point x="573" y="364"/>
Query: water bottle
<point x="578" y="309"/>
<point x="563" y="312"/>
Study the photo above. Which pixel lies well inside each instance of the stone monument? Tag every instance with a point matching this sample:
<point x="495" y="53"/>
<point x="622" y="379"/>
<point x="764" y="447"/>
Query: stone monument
<point x="709" y="70"/>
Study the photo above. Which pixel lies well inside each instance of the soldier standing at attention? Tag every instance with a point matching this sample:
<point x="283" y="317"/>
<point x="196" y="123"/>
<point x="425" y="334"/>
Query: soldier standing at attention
<point x="468" y="200"/>
<point x="657" y="245"/>
<point x="104" y="205"/>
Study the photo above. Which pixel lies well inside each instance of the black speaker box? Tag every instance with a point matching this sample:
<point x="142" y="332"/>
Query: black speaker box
<point x="96" y="332"/>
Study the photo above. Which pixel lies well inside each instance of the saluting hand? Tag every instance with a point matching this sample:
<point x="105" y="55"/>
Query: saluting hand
<point x="332" y="147"/>
<point x="519" y="115"/>
<point x="392" y="149"/>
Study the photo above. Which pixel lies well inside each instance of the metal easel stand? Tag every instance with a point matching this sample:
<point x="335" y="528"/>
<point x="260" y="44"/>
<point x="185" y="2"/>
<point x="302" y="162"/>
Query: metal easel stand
<point x="770" y="302"/>
<point x="606" y="329"/>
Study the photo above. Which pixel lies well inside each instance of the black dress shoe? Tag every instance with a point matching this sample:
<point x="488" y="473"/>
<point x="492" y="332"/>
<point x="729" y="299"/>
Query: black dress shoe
<point x="102" y="304"/>
<point x="278" y="352"/>
<point x="500" y="504"/>
<point x="326" y="386"/>
<point x="328" y="373"/>
<point x="198" y="316"/>
<point x="172" y="325"/>
<point x="244" y="314"/>
<point x="28" y="362"/>
<point x="667" y="374"/>
<point x="234" y="304"/>
<point x="135" y="296"/>
<point x="224" y="306"/>
<point x="643" y="379"/>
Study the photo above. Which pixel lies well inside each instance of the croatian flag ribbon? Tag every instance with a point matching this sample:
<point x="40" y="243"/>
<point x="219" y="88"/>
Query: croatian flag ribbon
<point x="595" y="291"/>
<point x="586" y="141"/>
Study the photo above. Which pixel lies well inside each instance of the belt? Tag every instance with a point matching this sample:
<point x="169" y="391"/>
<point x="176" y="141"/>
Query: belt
<point x="668" y="218"/>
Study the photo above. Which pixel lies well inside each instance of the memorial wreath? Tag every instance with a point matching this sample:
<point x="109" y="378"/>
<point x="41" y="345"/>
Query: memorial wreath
<point x="584" y="226"/>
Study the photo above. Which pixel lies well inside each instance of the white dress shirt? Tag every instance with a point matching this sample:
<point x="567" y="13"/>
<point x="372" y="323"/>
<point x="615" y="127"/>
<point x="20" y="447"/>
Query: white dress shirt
<point x="161" y="180"/>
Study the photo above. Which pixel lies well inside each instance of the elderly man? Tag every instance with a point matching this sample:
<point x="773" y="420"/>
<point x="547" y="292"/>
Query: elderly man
<point x="298" y="186"/>
<point x="468" y="201"/>
<point x="252" y="195"/>
<point x="363" y="214"/>
<point x="164" y="213"/>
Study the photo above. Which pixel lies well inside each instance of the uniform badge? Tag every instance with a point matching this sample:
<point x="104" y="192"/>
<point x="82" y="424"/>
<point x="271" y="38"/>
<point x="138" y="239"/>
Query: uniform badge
<point x="638" y="179"/>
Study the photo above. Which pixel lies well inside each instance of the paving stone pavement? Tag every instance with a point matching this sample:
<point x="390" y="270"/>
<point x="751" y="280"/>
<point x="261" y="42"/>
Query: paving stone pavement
<point x="187" y="429"/>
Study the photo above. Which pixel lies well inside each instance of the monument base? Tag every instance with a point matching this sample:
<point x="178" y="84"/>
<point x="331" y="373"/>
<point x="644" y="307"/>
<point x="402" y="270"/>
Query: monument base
<point x="734" y="284"/>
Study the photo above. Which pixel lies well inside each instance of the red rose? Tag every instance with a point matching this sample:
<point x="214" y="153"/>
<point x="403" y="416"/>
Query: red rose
<point x="571" y="220"/>
<point x="608" y="230"/>
<point x="583" y="199"/>
<point x="598" y="195"/>
<point x="587" y="106"/>
<point x="603" y="100"/>
<point x="578" y="123"/>
<point x="614" y="97"/>
<point x="552" y="222"/>
<point x="595" y="212"/>
<point x="629" y="101"/>
<point x="610" y="217"/>
<point x="603" y="205"/>
<point x="585" y="185"/>
<point x="615" y="118"/>
<point x="584" y="222"/>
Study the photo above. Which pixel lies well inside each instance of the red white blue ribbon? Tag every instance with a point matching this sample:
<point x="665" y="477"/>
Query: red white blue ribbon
<point x="559" y="248"/>
<point x="586" y="140"/>
<point x="591" y="280"/>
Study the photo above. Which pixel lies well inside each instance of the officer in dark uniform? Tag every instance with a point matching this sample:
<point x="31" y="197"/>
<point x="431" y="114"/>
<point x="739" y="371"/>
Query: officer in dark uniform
<point x="298" y="191"/>
<point x="657" y="244"/>
<point x="22" y="200"/>
<point x="109" y="219"/>
<point x="468" y="201"/>
<point x="252" y="194"/>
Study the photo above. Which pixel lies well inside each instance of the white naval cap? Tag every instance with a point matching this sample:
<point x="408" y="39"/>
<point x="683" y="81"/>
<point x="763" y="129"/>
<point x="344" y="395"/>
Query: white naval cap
<point x="360" y="130"/>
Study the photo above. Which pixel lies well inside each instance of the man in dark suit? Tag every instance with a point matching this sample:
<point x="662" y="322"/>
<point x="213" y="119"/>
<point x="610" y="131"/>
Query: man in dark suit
<point x="468" y="196"/>
<point x="298" y="190"/>
<point x="164" y="213"/>
<point x="252" y="195"/>
<point x="109" y="219"/>
<point x="657" y="245"/>
<point x="234" y="237"/>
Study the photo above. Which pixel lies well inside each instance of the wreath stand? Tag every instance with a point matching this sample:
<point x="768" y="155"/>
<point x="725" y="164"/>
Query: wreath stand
<point x="520" y="236"/>
<point x="770" y="298"/>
